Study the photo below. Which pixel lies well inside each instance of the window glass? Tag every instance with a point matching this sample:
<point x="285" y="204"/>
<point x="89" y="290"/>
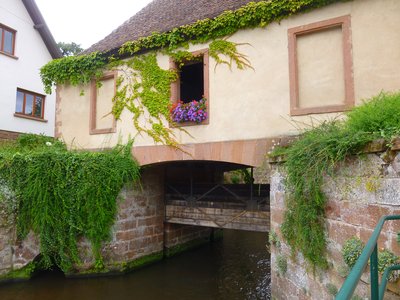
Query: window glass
<point x="20" y="102"/>
<point x="8" y="42"/>
<point x="38" y="106"/>
<point x="28" y="104"/>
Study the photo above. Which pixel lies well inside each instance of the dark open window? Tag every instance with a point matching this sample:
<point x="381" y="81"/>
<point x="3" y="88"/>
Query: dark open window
<point x="7" y="40"/>
<point x="29" y="104"/>
<point x="192" y="81"/>
<point x="190" y="92"/>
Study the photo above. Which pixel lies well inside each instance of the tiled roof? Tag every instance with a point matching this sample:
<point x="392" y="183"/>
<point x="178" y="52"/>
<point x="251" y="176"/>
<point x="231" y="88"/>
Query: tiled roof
<point x="162" y="16"/>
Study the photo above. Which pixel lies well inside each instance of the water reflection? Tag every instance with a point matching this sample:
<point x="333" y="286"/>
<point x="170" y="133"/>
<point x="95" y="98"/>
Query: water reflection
<point x="236" y="267"/>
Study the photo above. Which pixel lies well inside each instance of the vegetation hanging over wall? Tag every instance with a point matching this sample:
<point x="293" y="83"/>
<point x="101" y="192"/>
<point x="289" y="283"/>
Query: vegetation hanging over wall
<point x="315" y="154"/>
<point x="152" y="89"/>
<point x="64" y="195"/>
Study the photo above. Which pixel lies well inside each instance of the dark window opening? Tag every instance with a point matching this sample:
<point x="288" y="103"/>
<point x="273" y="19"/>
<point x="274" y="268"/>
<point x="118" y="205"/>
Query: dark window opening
<point x="192" y="81"/>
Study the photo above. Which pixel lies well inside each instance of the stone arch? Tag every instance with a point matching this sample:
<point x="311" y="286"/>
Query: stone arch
<point x="243" y="152"/>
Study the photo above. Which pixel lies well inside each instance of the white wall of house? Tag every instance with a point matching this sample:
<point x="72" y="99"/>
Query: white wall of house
<point x="23" y="71"/>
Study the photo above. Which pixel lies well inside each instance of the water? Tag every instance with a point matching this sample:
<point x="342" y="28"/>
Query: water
<point x="236" y="267"/>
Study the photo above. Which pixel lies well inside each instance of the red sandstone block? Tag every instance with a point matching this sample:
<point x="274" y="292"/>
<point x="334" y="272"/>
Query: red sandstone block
<point x="277" y="215"/>
<point x="332" y="210"/>
<point x="365" y="234"/>
<point x="148" y="231"/>
<point x="126" y="235"/>
<point x="339" y="232"/>
<point x="127" y="225"/>
<point x="363" y="215"/>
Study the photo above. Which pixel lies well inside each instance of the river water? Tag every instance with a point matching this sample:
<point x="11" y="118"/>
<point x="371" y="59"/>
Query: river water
<point x="236" y="267"/>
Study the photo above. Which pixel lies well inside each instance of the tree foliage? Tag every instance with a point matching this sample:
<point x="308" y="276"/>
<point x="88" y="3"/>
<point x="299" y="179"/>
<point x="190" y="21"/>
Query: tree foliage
<point x="69" y="49"/>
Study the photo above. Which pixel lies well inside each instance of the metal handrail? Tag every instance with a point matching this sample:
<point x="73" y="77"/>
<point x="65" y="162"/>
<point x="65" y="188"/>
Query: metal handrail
<point x="370" y="252"/>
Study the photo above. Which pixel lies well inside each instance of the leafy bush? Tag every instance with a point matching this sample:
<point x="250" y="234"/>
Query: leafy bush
<point x="281" y="263"/>
<point x="314" y="155"/>
<point x="386" y="259"/>
<point x="63" y="195"/>
<point x="351" y="251"/>
<point x="332" y="289"/>
<point x="379" y="116"/>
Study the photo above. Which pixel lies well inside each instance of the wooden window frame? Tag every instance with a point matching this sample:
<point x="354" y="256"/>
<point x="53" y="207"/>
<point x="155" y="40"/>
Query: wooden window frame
<point x="344" y="23"/>
<point x="2" y="36"/>
<point x="31" y="116"/>
<point x="175" y="86"/>
<point x="93" y="106"/>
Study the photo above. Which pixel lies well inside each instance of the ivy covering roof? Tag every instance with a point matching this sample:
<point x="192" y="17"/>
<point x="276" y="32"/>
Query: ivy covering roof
<point x="164" y="15"/>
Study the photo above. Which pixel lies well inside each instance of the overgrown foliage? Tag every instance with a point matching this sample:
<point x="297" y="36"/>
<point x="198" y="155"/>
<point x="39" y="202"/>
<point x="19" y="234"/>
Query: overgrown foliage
<point x="351" y="251"/>
<point x="144" y="88"/>
<point x="387" y="259"/>
<point x="75" y="70"/>
<point x="64" y="195"/>
<point x="314" y="155"/>
<point x="228" y="49"/>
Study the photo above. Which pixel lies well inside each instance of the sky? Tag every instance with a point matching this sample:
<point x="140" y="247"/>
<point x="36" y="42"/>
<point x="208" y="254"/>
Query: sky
<point x="86" y="22"/>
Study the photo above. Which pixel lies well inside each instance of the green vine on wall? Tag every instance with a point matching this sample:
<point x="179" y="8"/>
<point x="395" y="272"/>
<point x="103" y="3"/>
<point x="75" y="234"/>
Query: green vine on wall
<point x="229" y="50"/>
<point x="143" y="88"/>
<point x="64" y="195"/>
<point x="316" y="154"/>
<point x="74" y="70"/>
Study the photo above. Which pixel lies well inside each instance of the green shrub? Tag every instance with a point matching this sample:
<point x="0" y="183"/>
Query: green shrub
<point x="386" y="259"/>
<point x="379" y="115"/>
<point x="332" y="289"/>
<point x="351" y="251"/>
<point x="64" y="195"/>
<point x="314" y="155"/>
<point x="281" y="263"/>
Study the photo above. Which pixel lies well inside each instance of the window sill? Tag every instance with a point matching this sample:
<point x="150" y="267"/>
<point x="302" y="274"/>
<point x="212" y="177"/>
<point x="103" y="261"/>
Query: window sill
<point x="102" y="131"/>
<point x="9" y="55"/>
<point x="319" y="110"/>
<point x="29" y="118"/>
<point x="185" y="124"/>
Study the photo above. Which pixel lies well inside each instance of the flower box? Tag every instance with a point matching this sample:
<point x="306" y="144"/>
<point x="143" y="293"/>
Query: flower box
<point x="193" y="111"/>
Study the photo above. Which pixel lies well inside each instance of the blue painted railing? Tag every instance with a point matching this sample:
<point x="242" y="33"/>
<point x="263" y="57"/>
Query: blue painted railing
<point x="370" y="253"/>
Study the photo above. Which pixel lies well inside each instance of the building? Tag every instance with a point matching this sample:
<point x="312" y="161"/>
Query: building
<point x="26" y="45"/>
<point x="306" y="67"/>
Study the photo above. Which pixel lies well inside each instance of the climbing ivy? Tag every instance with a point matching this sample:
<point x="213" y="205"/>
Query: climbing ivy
<point x="75" y="70"/>
<point x="145" y="87"/>
<point x="64" y="195"/>
<point x="229" y="50"/>
<point x="315" y="154"/>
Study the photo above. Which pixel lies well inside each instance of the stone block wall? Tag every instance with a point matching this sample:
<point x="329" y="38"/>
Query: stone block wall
<point x="8" y="135"/>
<point x="362" y="190"/>
<point x="179" y="237"/>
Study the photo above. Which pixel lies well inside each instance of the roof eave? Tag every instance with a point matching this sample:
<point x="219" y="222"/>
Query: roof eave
<point x="41" y="26"/>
